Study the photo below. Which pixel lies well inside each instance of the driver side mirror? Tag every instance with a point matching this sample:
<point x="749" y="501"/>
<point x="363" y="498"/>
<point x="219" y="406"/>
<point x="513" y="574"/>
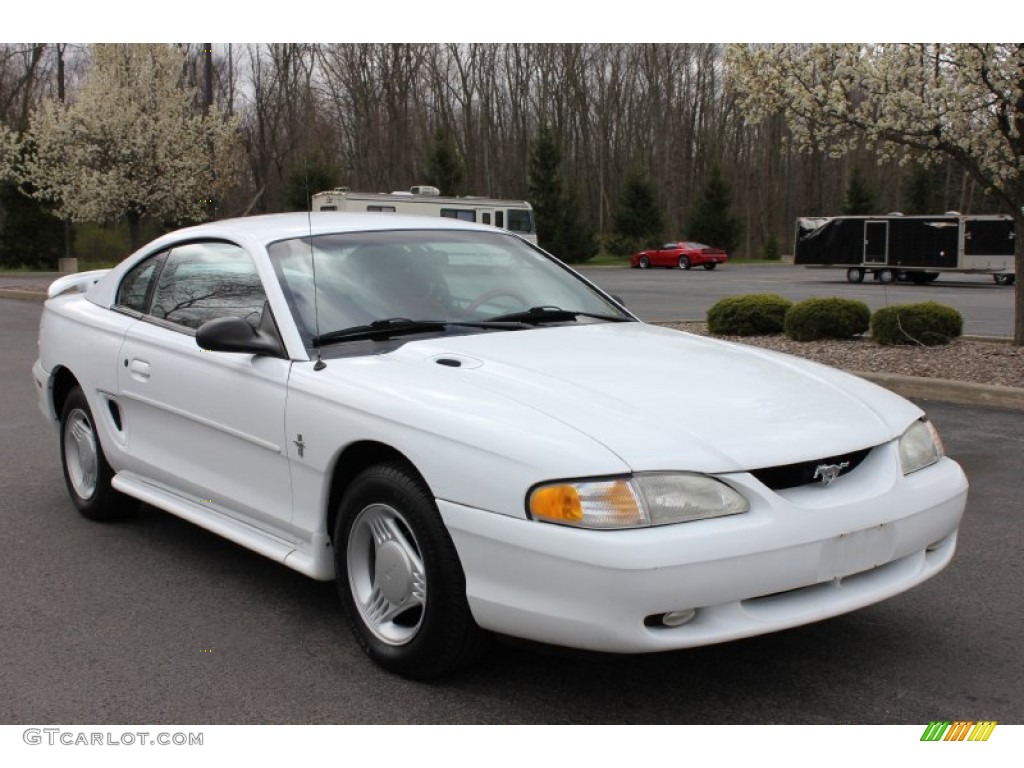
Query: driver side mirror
<point x="233" y="334"/>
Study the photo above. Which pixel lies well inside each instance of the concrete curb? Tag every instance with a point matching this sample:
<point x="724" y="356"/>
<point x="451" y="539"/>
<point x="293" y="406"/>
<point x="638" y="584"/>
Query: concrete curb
<point x="947" y="391"/>
<point x="17" y="293"/>
<point x="914" y="387"/>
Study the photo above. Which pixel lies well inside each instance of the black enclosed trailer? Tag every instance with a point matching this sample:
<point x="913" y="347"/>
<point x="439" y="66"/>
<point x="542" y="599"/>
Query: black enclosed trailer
<point x="916" y="248"/>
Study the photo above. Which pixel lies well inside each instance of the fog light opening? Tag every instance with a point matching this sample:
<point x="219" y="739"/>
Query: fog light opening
<point x="670" y="619"/>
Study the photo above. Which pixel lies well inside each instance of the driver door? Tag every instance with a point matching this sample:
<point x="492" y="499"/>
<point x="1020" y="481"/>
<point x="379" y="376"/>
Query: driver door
<point x="207" y="425"/>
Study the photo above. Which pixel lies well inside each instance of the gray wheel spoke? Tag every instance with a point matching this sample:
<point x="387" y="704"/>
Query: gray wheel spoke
<point x="381" y="611"/>
<point x="386" y="574"/>
<point x="82" y="454"/>
<point x="386" y="529"/>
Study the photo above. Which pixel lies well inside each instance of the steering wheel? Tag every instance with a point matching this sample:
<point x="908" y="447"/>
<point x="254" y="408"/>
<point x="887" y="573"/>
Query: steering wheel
<point x="487" y="296"/>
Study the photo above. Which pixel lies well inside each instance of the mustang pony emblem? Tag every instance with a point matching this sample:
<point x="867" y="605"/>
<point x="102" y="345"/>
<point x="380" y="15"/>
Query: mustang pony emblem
<point x="827" y="473"/>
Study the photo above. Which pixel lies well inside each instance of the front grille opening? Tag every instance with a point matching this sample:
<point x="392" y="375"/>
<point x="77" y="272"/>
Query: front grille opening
<point x="794" y="475"/>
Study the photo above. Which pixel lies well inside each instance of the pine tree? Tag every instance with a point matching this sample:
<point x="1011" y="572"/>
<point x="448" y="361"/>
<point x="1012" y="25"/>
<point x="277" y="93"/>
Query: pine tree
<point x="577" y="237"/>
<point x="311" y="175"/>
<point x="545" y="186"/>
<point x="861" y="199"/>
<point x="921" y="191"/>
<point x="711" y="221"/>
<point x="444" y="170"/>
<point x="638" y="222"/>
<point x="561" y="228"/>
<point x="771" y="250"/>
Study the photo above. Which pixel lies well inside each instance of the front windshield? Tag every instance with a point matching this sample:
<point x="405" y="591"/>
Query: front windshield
<point x="444" y="275"/>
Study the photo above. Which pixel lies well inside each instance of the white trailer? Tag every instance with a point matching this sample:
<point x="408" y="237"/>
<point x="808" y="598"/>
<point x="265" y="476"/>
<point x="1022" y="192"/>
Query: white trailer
<point x="513" y="215"/>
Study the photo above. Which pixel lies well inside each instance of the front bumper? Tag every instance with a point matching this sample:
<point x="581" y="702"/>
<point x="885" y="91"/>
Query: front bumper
<point x="797" y="557"/>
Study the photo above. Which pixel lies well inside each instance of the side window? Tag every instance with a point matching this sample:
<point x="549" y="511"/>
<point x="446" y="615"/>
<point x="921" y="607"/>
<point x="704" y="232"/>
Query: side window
<point x="458" y="213"/>
<point x="135" y="286"/>
<point x="204" y="281"/>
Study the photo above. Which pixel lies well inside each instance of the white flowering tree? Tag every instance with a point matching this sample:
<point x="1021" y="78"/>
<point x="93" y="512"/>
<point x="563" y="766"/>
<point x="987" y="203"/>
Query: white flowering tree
<point x="8" y="152"/>
<point x="929" y="101"/>
<point x="131" y="143"/>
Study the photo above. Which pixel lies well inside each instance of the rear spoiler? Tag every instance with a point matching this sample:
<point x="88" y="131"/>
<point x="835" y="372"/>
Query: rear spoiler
<point x="80" y="281"/>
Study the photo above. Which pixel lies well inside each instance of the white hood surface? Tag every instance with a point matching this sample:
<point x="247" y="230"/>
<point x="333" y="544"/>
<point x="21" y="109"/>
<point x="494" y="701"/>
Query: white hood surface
<point x="662" y="399"/>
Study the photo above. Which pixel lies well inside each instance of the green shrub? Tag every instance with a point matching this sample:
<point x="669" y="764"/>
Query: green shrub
<point x="834" y="318"/>
<point x="754" y="314"/>
<point x="928" y="323"/>
<point x="771" y="250"/>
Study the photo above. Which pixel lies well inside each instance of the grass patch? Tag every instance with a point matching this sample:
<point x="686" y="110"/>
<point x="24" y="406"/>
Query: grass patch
<point x="606" y="260"/>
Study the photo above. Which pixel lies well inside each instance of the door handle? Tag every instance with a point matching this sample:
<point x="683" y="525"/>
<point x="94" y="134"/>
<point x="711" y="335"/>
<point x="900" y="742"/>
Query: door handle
<point x="139" y="369"/>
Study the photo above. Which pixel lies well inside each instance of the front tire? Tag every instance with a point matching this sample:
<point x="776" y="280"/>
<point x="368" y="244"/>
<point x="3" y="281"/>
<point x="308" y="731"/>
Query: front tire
<point x="399" y="577"/>
<point x="684" y="263"/>
<point x="644" y="262"/>
<point x="86" y="471"/>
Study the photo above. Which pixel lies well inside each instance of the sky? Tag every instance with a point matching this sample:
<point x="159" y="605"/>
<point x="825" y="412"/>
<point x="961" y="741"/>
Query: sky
<point x="518" y="21"/>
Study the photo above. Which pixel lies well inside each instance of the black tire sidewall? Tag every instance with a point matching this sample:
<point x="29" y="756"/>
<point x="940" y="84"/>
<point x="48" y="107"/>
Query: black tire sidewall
<point x="105" y="503"/>
<point x="440" y="646"/>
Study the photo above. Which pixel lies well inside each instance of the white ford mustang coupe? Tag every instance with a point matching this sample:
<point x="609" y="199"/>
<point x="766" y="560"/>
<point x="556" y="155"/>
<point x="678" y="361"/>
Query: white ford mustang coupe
<point x="470" y="438"/>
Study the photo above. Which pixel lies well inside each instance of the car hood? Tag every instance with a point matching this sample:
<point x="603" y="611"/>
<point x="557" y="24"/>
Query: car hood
<point x="663" y="399"/>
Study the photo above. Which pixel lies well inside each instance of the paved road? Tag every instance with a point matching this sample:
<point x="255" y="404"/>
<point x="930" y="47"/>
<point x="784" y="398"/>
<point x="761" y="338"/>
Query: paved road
<point x="156" y="621"/>
<point x="664" y="294"/>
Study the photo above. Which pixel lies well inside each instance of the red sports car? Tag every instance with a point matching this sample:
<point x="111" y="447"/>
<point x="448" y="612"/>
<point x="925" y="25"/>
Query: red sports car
<point x="683" y="255"/>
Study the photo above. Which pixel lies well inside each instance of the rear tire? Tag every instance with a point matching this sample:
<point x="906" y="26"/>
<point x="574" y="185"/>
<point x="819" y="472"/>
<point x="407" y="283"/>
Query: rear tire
<point x="399" y="577"/>
<point x="86" y="471"/>
<point x="855" y="275"/>
<point x="710" y="265"/>
<point x="886" y="276"/>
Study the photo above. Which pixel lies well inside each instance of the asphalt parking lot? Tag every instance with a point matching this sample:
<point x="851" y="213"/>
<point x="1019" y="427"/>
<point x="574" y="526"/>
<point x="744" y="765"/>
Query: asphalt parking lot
<point x="673" y="294"/>
<point x="157" y="621"/>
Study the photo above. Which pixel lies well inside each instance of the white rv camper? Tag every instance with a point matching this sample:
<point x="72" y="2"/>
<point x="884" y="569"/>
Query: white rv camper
<point x="513" y="215"/>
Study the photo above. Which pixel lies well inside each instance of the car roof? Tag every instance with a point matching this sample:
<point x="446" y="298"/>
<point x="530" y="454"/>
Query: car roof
<point x="269" y="228"/>
<point x="261" y="231"/>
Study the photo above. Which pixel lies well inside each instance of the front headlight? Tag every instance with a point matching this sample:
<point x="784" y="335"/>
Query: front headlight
<point x="656" y="498"/>
<point x="920" y="446"/>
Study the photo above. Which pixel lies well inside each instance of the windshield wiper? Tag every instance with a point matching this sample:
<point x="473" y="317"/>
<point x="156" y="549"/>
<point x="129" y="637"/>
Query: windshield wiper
<point x="537" y="315"/>
<point x="380" y="330"/>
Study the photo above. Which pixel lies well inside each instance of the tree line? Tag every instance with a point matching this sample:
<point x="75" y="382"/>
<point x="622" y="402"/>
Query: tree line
<point x="624" y="143"/>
